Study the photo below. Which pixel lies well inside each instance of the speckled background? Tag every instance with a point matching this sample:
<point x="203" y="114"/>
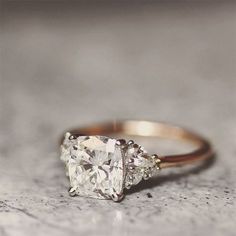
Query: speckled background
<point x="71" y="64"/>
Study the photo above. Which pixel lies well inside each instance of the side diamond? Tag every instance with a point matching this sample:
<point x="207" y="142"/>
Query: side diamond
<point x="139" y="164"/>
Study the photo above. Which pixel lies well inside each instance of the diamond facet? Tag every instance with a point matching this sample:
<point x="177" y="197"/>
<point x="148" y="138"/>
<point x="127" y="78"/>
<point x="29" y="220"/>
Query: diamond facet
<point x="94" y="165"/>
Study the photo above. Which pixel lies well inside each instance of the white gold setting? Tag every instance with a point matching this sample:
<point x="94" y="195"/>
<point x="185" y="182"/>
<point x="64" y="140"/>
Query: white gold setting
<point x="101" y="167"/>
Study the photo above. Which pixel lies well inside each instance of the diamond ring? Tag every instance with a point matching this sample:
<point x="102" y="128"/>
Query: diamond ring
<point x="101" y="167"/>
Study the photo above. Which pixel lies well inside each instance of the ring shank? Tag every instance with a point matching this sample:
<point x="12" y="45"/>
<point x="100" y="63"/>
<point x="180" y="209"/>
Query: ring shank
<point x="202" y="151"/>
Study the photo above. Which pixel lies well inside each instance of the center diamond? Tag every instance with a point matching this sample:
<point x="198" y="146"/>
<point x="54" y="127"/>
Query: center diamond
<point x="95" y="166"/>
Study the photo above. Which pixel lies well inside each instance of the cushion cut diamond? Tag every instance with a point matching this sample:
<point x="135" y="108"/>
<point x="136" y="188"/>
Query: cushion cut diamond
<point x="94" y="165"/>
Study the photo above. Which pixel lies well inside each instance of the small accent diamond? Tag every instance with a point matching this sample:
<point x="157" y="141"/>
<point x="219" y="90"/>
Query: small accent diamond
<point x="139" y="164"/>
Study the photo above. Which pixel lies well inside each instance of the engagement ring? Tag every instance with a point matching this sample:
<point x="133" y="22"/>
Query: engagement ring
<point x="100" y="166"/>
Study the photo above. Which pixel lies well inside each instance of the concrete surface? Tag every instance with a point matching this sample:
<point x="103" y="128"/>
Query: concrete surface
<point x="71" y="65"/>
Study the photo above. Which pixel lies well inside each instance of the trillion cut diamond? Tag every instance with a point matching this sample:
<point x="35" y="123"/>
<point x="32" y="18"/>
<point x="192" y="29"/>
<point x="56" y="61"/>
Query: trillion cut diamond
<point x="94" y="165"/>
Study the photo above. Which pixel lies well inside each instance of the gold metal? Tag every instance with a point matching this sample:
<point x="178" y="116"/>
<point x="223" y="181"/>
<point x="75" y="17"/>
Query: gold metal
<point x="202" y="151"/>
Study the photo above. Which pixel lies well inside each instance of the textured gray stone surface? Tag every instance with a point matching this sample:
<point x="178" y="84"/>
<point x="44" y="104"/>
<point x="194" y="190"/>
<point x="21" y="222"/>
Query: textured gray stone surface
<point x="64" y="66"/>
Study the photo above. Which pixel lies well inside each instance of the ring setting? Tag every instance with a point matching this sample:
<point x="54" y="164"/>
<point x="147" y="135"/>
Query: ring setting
<point x="101" y="167"/>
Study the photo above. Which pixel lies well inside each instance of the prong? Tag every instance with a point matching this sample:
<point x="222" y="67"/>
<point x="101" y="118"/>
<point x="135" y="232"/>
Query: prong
<point x="131" y="178"/>
<point x="117" y="197"/>
<point x="127" y="162"/>
<point x="131" y="160"/>
<point x="157" y="160"/>
<point x="131" y="168"/>
<point x="128" y="186"/>
<point x="67" y="135"/>
<point x="72" y="191"/>
<point x="141" y="149"/>
<point x="130" y="142"/>
<point x="71" y="137"/>
<point x="146" y="176"/>
<point x="120" y="142"/>
<point x="155" y="156"/>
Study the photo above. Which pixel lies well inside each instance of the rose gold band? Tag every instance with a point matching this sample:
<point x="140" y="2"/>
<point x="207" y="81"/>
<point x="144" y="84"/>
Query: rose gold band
<point x="202" y="151"/>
